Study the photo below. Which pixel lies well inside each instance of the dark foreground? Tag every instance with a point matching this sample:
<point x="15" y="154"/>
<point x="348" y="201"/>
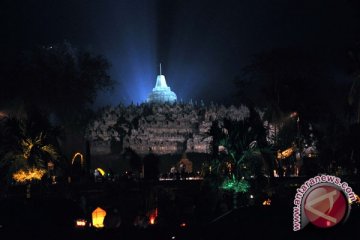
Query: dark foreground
<point x="52" y="216"/>
<point x="244" y="223"/>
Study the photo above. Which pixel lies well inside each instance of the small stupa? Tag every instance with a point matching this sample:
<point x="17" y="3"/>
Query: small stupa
<point x="161" y="93"/>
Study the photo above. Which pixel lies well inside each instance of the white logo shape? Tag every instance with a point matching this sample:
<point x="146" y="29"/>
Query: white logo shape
<point x="330" y="196"/>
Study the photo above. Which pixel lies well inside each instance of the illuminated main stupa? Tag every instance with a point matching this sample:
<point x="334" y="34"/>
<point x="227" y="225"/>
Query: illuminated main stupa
<point x="161" y="93"/>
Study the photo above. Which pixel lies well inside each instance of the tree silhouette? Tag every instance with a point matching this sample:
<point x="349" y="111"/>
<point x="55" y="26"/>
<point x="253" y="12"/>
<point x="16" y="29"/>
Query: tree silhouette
<point x="286" y="80"/>
<point x="59" y="79"/>
<point x="151" y="167"/>
<point x="28" y="144"/>
<point x="133" y="158"/>
<point x="241" y="154"/>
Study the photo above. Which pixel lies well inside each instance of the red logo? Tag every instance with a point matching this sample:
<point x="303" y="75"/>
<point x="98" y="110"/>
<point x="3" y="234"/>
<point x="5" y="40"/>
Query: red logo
<point x="325" y="206"/>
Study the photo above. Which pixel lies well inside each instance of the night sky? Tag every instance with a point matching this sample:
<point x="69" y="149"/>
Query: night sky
<point x="202" y="45"/>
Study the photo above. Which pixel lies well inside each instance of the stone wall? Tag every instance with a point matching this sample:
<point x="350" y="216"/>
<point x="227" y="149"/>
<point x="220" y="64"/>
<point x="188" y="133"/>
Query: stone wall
<point x="160" y="128"/>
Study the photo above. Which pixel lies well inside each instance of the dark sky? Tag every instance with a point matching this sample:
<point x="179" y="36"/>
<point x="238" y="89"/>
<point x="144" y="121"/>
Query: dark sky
<point x="202" y="45"/>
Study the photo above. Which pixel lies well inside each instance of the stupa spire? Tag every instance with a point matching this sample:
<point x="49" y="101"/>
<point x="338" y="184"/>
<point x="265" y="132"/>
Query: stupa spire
<point x="161" y="92"/>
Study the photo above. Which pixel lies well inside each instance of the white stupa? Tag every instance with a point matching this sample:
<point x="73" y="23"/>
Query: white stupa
<point x="161" y="93"/>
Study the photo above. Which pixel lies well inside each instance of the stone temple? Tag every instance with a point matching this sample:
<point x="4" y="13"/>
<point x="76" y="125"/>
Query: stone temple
<point x="161" y="93"/>
<point x="164" y="128"/>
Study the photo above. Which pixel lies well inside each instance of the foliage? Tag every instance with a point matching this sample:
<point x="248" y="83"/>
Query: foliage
<point x="151" y="167"/>
<point x="133" y="158"/>
<point x="354" y="92"/>
<point x="233" y="184"/>
<point x="28" y="144"/>
<point x="28" y="175"/>
<point x="59" y="79"/>
<point x="291" y="79"/>
<point x="238" y="148"/>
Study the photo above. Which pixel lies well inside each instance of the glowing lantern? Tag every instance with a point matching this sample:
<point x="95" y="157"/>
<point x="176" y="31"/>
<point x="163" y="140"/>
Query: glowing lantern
<point x="98" y="216"/>
<point x="152" y="220"/>
<point x="152" y="216"/>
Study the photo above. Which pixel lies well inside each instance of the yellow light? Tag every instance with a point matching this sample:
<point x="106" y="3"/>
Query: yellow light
<point x="27" y="145"/>
<point x="22" y="175"/>
<point x="267" y="202"/>
<point x="357" y="199"/>
<point x="80" y="223"/>
<point x="81" y="158"/>
<point x="98" y="216"/>
<point x="102" y="172"/>
<point x="286" y="153"/>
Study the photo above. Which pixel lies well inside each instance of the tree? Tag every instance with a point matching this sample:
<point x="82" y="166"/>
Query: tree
<point x="151" y="167"/>
<point x="134" y="160"/>
<point x="286" y="80"/>
<point x="240" y="155"/>
<point x="352" y="137"/>
<point x="59" y="79"/>
<point x="29" y="147"/>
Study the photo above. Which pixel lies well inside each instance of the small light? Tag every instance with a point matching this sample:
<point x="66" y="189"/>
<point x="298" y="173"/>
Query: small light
<point x="183" y="225"/>
<point x="293" y="114"/>
<point x="152" y="220"/>
<point x="251" y="196"/>
<point x="173" y="237"/>
<point x="267" y="202"/>
<point x="80" y="223"/>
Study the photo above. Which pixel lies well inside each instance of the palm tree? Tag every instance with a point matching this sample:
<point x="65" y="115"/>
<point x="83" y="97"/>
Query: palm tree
<point x="32" y="156"/>
<point x="239" y="154"/>
<point x="26" y="154"/>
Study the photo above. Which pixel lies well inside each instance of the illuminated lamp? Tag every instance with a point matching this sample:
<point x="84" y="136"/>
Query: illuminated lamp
<point x="183" y="225"/>
<point x="152" y="216"/>
<point x="81" y="159"/>
<point x="98" y="216"/>
<point x="152" y="219"/>
<point x="285" y="154"/>
<point x="102" y="172"/>
<point x="267" y="202"/>
<point x="80" y="223"/>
